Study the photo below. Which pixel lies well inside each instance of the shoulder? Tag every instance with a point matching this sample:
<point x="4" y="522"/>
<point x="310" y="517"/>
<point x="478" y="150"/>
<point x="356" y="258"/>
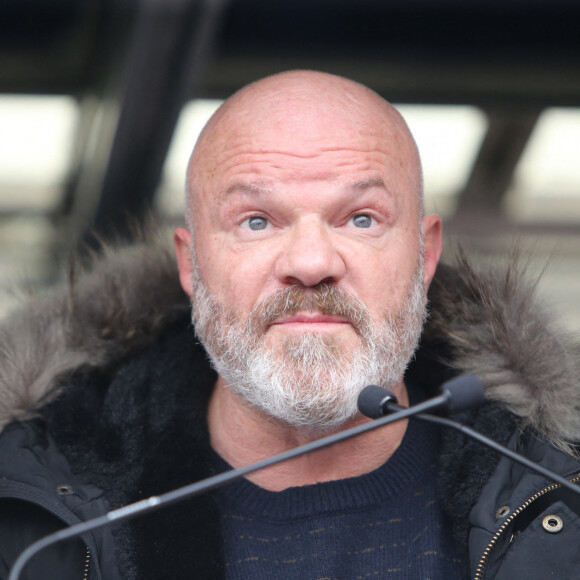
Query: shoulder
<point x="490" y="322"/>
<point x="106" y="311"/>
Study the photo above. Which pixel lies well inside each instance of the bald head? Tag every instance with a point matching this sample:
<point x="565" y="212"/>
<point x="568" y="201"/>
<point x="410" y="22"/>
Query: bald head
<point x="302" y="112"/>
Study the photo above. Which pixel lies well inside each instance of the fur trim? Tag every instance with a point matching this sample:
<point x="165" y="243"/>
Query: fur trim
<point x="141" y="433"/>
<point x="498" y="330"/>
<point x="491" y="323"/>
<point x="113" y="307"/>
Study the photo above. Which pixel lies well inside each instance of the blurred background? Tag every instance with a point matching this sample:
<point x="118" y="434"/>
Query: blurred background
<point x="101" y="102"/>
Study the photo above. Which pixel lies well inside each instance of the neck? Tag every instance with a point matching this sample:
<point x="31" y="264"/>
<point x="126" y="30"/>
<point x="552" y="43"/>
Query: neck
<point x="243" y="434"/>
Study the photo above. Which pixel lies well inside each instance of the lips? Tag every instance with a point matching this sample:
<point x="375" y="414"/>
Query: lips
<point x="310" y="318"/>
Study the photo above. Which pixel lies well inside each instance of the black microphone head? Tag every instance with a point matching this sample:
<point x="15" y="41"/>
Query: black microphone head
<point x="372" y="399"/>
<point x="464" y="392"/>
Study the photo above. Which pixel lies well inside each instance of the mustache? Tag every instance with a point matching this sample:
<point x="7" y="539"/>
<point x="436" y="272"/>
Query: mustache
<point x="325" y="298"/>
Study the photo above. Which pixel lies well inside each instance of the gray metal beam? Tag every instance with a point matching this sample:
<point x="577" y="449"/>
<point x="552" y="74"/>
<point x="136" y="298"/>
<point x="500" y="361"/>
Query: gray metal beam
<point x="507" y="135"/>
<point x="173" y="43"/>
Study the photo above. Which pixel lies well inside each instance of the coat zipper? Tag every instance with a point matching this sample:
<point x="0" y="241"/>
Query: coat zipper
<point x="484" y="560"/>
<point x="87" y="568"/>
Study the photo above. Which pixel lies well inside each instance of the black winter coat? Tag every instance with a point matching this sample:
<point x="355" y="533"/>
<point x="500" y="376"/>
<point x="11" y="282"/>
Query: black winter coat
<point x="103" y="393"/>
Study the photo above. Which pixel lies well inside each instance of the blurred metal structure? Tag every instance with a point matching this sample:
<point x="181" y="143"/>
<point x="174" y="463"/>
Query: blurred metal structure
<point x="131" y="64"/>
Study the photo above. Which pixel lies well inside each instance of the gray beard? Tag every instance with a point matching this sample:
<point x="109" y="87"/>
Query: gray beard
<point x="311" y="380"/>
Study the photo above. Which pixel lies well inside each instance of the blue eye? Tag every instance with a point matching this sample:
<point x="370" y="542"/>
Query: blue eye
<point x="362" y="220"/>
<point x="257" y="223"/>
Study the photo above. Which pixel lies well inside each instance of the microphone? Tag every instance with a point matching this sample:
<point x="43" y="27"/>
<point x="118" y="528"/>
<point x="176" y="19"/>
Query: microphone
<point x="459" y="394"/>
<point x="449" y="398"/>
<point x="376" y="402"/>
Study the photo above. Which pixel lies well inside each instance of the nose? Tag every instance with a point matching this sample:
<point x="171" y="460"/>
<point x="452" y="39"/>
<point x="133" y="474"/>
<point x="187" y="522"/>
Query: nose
<point x="309" y="256"/>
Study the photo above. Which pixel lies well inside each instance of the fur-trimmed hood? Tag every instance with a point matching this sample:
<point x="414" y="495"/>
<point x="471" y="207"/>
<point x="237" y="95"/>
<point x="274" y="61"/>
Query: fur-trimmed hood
<point x="491" y="324"/>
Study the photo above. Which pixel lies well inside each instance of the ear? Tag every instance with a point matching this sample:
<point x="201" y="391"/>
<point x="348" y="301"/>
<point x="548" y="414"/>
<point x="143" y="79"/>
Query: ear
<point x="432" y="246"/>
<point x="183" y="244"/>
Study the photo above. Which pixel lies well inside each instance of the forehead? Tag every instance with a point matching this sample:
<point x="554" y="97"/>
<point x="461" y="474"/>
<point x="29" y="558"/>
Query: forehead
<point x="281" y="138"/>
<point x="302" y="163"/>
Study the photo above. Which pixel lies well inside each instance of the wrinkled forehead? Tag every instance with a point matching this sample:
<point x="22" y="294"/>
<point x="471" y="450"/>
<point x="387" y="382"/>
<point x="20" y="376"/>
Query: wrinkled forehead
<point x="299" y="122"/>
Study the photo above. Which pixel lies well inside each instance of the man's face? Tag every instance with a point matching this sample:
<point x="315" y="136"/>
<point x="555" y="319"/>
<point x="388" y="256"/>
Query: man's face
<point x="307" y="250"/>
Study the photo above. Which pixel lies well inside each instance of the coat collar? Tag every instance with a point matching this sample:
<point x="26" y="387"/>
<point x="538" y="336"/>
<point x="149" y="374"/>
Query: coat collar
<point x="486" y="323"/>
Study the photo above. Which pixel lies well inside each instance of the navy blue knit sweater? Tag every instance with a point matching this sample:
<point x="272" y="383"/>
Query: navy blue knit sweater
<point x="385" y="524"/>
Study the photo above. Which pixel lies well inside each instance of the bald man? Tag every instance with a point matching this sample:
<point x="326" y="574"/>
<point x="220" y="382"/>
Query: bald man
<point x="307" y="260"/>
<point x="293" y="205"/>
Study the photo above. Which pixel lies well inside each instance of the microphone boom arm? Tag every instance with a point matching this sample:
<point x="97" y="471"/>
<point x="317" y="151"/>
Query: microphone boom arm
<point x="502" y="449"/>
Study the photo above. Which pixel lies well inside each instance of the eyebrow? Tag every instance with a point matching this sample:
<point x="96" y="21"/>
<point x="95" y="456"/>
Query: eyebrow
<point x="367" y="184"/>
<point x="252" y="188"/>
